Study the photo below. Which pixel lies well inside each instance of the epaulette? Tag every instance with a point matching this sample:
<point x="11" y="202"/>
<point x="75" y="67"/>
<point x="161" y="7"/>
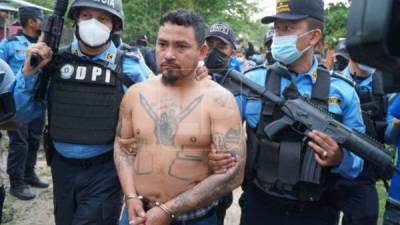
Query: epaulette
<point x="12" y="38"/>
<point x="342" y="77"/>
<point x="255" y="68"/>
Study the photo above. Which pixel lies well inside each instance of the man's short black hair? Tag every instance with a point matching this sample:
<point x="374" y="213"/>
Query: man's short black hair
<point x="186" y="18"/>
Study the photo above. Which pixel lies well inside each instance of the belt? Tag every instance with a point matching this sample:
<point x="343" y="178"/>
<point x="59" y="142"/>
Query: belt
<point x="281" y="203"/>
<point x="86" y="163"/>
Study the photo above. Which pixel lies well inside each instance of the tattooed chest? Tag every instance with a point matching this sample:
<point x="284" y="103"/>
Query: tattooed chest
<point x="171" y="124"/>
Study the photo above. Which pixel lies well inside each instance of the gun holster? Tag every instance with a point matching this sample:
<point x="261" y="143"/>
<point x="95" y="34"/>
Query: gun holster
<point x="48" y="146"/>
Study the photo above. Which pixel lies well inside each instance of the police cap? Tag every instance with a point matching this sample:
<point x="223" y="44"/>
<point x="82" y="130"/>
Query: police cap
<point x="28" y="12"/>
<point x="222" y="32"/>
<point x="297" y="10"/>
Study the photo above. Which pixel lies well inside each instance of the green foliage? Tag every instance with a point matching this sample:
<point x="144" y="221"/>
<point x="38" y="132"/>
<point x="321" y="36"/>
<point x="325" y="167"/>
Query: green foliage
<point x="335" y="23"/>
<point x="142" y="16"/>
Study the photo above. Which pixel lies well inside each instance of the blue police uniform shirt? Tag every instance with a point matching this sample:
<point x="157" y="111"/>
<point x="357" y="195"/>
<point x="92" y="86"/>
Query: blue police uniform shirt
<point x="13" y="51"/>
<point x="27" y="109"/>
<point x="393" y="137"/>
<point x="343" y="100"/>
<point x="234" y="64"/>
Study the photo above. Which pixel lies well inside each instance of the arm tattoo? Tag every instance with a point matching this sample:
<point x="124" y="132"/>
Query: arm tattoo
<point x="166" y="124"/>
<point x="231" y="141"/>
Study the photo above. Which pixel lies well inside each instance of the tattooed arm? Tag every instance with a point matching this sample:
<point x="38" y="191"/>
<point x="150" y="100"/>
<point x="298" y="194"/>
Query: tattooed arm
<point x="124" y="161"/>
<point x="226" y="131"/>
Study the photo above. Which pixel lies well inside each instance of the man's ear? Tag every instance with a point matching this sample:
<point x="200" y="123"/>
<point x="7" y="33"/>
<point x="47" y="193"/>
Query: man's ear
<point x="203" y="51"/>
<point x="316" y="37"/>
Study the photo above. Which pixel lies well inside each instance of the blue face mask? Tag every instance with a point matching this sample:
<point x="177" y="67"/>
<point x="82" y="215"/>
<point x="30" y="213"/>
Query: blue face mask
<point x="284" y="48"/>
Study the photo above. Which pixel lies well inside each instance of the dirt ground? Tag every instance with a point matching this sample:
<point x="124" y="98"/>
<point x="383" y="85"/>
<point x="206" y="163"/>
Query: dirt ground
<point x="39" y="211"/>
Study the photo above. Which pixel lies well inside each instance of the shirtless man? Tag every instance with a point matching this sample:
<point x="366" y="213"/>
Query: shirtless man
<point x="175" y="121"/>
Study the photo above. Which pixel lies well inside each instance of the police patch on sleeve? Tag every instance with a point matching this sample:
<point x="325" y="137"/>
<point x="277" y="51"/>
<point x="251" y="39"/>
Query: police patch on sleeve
<point x="67" y="71"/>
<point x="334" y="100"/>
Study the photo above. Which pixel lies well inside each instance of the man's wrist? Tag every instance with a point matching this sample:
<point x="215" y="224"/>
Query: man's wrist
<point x="166" y="210"/>
<point x="133" y="197"/>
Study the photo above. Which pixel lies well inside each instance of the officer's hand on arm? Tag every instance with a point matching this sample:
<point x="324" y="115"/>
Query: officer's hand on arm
<point x="201" y="72"/>
<point x="220" y="162"/>
<point x="328" y="152"/>
<point x="128" y="145"/>
<point x="156" y="216"/>
<point x="41" y="49"/>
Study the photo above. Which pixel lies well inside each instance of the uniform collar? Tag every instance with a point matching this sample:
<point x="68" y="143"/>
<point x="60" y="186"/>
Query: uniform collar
<point x="108" y="55"/>
<point x="311" y="73"/>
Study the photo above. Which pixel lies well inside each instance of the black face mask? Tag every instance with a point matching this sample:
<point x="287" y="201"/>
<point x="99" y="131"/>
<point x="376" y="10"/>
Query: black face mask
<point x="340" y="64"/>
<point x="215" y="59"/>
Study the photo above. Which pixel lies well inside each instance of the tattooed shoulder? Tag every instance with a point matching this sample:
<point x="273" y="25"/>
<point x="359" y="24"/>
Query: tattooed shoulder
<point x="223" y="99"/>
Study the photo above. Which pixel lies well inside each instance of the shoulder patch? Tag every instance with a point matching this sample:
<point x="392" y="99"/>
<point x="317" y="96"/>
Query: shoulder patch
<point x="334" y="100"/>
<point x="255" y="68"/>
<point x="342" y="77"/>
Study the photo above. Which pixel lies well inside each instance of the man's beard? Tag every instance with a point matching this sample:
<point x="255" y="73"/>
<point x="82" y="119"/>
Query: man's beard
<point x="169" y="77"/>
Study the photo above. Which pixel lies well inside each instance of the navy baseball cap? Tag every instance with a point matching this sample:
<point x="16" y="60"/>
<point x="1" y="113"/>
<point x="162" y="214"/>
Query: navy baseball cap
<point x="297" y="10"/>
<point x="223" y="32"/>
<point x="28" y="12"/>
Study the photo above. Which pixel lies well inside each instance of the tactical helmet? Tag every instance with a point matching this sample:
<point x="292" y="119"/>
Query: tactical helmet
<point x="111" y="6"/>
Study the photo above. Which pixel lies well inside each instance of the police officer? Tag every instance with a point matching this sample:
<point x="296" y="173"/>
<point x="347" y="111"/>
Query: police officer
<point x="245" y="64"/>
<point x="392" y="210"/>
<point x="221" y="42"/>
<point x="341" y="57"/>
<point x="289" y="178"/>
<point x="7" y="110"/>
<point x="267" y="47"/>
<point x="361" y="192"/>
<point x="87" y="82"/>
<point x="24" y="142"/>
<point x="149" y="54"/>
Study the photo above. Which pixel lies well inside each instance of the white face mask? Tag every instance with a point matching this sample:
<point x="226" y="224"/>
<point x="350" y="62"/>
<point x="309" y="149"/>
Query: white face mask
<point x="93" y="33"/>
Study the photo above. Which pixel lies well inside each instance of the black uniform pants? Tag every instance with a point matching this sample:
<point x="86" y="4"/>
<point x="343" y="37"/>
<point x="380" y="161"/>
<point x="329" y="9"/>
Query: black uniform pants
<point x="22" y="151"/>
<point x="86" y="192"/>
<point x="260" y="211"/>
<point x="360" y="194"/>
<point x="223" y="204"/>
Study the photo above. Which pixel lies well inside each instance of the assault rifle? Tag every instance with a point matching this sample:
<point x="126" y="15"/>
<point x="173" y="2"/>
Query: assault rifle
<point x="303" y="117"/>
<point x="52" y="35"/>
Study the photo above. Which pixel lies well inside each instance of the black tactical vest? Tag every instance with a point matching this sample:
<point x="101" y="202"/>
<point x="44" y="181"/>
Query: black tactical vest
<point x="374" y="105"/>
<point x="285" y="167"/>
<point x="84" y="99"/>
